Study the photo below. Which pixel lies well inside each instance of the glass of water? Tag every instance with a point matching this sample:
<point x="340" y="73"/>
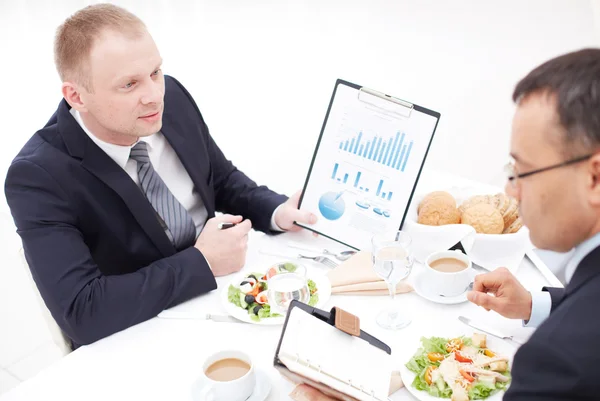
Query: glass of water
<point x="392" y="262"/>
<point x="286" y="286"/>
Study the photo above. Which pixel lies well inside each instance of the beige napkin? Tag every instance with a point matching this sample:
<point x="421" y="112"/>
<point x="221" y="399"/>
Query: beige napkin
<point x="356" y="276"/>
<point x="304" y="392"/>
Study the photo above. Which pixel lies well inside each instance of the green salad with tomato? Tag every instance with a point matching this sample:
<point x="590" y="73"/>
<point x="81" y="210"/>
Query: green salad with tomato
<point x="251" y="293"/>
<point x="459" y="368"/>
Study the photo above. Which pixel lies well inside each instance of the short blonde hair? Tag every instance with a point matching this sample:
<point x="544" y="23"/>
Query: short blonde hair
<point x="76" y="36"/>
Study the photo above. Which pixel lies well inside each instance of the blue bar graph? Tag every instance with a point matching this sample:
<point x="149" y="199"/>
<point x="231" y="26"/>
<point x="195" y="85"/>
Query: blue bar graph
<point x="407" y="153"/>
<point x="379" y="187"/>
<point x="358" y="142"/>
<point x="357" y="179"/>
<point x="389" y="197"/>
<point x="392" y="152"/>
<point x="401" y="157"/>
<point x="335" y="168"/>
<point x="383" y="195"/>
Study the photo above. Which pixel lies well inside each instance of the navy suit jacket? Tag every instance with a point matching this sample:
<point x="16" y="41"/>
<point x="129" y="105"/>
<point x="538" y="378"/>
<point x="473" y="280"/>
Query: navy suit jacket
<point x="561" y="360"/>
<point x="96" y="249"/>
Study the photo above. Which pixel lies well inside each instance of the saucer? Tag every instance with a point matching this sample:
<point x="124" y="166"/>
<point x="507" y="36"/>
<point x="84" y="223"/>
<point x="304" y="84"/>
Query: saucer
<point x="260" y="393"/>
<point x="420" y="286"/>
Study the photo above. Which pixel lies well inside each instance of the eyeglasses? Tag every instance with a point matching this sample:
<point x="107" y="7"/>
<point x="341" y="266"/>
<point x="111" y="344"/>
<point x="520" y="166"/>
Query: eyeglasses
<point x="513" y="176"/>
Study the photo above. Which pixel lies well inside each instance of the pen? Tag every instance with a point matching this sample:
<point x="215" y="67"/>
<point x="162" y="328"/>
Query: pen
<point x="224" y="226"/>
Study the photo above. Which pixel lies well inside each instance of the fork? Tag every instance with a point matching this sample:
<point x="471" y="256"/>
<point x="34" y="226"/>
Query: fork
<point x="319" y="259"/>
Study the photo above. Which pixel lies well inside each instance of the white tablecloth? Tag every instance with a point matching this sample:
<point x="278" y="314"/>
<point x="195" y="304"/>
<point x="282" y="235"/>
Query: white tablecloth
<point x="161" y="358"/>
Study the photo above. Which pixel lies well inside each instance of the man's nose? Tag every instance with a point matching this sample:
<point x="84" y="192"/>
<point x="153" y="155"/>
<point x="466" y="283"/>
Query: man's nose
<point x="153" y="93"/>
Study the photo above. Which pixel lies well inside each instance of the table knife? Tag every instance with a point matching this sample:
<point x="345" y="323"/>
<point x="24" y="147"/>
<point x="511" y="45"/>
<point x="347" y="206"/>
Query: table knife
<point x="488" y="329"/>
<point x="167" y="314"/>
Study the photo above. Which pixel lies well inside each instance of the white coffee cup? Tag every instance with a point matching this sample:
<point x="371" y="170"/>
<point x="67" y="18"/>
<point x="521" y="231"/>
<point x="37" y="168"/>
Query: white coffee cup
<point x="449" y="284"/>
<point x="233" y="390"/>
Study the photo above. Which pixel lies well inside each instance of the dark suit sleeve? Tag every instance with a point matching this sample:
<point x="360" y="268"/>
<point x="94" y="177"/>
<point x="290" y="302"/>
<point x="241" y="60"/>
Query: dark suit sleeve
<point x="235" y="193"/>
<point x="556" y="295"/>
<point x="86" y="304"/>
<point x="543" y="371"/>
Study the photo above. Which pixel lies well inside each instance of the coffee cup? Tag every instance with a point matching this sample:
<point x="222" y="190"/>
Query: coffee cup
<point x="227" y="375"/>
<point x="448" y="273"/>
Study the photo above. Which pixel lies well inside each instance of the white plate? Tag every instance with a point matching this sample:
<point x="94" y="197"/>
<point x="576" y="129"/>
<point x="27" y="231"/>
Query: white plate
<point x="420" y="286"/>
<point x="323" y="289"/>
<point x="495" y="344"/>
<point x="260" y="393"/>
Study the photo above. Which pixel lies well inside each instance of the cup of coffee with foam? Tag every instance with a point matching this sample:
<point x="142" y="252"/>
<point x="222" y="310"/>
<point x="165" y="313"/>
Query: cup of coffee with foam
<point x="227" y="375"/>
<point x="448" y="273"/>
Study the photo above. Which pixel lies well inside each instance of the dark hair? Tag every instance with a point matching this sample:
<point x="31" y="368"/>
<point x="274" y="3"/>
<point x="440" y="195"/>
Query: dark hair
<point x="574" y="79"/>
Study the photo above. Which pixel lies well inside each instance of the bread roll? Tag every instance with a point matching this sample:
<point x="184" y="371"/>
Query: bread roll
<point x="438" y="212"/>
<point x="514" y="227"/>
<point x="472" y="201"/>
<point x="441" y="195"/>
<point x="485" y="218"/>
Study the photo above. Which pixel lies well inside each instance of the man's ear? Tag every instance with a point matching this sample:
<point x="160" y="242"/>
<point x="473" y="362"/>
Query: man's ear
<point x="72" y="94"/>
<point x="594" y="179"/>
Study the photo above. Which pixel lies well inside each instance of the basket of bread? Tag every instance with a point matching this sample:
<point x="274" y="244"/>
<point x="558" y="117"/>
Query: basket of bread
<point x="487" y="225"/>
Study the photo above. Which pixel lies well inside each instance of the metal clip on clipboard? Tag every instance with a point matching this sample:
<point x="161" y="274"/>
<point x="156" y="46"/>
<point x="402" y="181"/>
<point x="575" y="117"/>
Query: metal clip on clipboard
<point x="399" y="107"/>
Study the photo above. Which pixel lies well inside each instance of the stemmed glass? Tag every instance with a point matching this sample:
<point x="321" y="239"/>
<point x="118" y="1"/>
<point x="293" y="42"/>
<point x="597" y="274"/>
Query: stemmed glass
<point x="392" y="262"/>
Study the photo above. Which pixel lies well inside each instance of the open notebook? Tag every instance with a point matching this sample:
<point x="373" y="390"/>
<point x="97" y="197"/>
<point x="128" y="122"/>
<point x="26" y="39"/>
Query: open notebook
<point x="315" y="351"/>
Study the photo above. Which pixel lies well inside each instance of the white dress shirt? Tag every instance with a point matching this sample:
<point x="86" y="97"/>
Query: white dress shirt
<point x="541" y="303"/>
<point x="167" y="165"/>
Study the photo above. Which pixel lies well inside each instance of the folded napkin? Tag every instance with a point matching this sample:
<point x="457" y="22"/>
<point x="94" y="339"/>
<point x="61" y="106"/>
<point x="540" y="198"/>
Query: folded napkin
<point x="304" y="392"/>
<point x="356" y="276"/>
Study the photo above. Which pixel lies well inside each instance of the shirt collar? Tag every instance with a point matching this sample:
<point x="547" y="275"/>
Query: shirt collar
<point x="119" y="153"/>
<point x="581" y="251"/>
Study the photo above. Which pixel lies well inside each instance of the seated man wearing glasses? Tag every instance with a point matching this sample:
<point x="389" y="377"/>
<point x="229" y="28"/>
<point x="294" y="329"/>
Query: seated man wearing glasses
<point x="555" y="176"/>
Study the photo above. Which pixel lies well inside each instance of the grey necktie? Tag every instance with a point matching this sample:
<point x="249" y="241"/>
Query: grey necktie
<point x="180" y="227"/>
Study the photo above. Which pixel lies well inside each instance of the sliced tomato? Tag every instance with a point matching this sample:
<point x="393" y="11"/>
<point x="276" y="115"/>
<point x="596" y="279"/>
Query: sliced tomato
<point x="462" y="358"/>
<point x="435" y="356"/>
<point x="467" y="376"/>
<point x="261" y="298"/>
<point x="489" y="353"/>
<point x="454" y="345"/>
<point x="429" y="373"/>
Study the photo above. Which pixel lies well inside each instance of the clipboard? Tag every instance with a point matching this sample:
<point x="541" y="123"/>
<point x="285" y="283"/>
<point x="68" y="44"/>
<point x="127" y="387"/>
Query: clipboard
<point x="338" y="387"/>
<point x="366" y="165"/>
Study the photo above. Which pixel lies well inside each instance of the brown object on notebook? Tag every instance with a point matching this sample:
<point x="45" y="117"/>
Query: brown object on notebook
<point x="356" y="276"/>
<point x="347" y="322"/>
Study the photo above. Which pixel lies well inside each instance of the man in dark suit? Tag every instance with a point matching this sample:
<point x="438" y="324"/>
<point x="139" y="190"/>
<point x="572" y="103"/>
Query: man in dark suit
<point x="115" y="198"/>
<point x="555" y="175"/>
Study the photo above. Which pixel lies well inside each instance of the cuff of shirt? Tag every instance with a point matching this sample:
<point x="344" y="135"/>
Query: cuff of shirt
<point x="541" y="304"/>
<point x="274" y="225"/>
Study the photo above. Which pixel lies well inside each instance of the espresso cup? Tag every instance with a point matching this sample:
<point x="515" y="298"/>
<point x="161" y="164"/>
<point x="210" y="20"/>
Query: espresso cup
<point x="448" y="273"/>
<point x="227" y="375"/>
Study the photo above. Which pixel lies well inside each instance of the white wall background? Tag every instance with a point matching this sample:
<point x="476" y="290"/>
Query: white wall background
<point x="262" y="73"/>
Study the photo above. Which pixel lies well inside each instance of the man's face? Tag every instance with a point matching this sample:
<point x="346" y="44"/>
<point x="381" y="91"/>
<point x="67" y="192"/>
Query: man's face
<point x="553" y="204"/>
<point x="128" y="88"/>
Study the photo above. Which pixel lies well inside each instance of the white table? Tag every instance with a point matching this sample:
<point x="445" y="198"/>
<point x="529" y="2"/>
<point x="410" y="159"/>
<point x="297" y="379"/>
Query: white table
<point x="161" y="358"/>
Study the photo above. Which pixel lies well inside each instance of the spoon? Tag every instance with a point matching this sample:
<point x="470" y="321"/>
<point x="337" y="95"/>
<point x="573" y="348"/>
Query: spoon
<point x="341" y="256"/>
<point x="469" y="288"/>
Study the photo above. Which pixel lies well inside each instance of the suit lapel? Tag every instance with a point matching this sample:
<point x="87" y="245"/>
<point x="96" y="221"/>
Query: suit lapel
<point x="587" y="269"/>
<point x="190" y="153"/>
<point x="97" y="162"/>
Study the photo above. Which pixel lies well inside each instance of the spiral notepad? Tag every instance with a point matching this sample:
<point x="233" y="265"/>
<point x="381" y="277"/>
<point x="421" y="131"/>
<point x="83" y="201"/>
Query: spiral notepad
<point x="314" y="349"/>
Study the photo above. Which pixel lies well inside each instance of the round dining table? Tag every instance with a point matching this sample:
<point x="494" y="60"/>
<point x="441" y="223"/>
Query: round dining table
<point x="161" y="359"/>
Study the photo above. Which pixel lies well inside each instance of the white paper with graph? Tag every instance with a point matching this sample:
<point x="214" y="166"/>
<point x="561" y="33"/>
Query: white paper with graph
<point x="321" y="352"/>
<point x="366" y="165"/>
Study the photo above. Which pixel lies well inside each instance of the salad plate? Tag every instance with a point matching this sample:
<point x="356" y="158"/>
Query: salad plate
<point x="245" y="296"/>
<point x="461" y="366"/>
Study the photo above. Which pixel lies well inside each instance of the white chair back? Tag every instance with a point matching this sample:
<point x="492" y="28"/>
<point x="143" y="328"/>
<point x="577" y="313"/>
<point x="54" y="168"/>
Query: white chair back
<point x="58" y="337"/>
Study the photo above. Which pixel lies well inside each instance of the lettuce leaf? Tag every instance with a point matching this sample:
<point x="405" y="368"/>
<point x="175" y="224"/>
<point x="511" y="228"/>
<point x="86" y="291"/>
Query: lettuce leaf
<point x="233" y="295"/>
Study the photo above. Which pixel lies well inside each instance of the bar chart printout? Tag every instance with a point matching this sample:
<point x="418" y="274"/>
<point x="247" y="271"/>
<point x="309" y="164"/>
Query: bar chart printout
<point x="392" y="152"/>
<point x="356" y="182"/>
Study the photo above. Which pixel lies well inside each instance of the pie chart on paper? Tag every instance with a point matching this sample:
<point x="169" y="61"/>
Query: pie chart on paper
<point x="331" y="205"/>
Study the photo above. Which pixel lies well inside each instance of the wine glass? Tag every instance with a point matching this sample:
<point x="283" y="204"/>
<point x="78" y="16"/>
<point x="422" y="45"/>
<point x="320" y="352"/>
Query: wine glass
<point x="392" y="262"/>
<point x="285" y="286"/>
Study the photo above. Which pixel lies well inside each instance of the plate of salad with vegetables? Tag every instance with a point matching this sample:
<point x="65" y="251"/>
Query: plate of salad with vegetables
<point x="462" y="368"/>
<point x="245" y="298"/>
